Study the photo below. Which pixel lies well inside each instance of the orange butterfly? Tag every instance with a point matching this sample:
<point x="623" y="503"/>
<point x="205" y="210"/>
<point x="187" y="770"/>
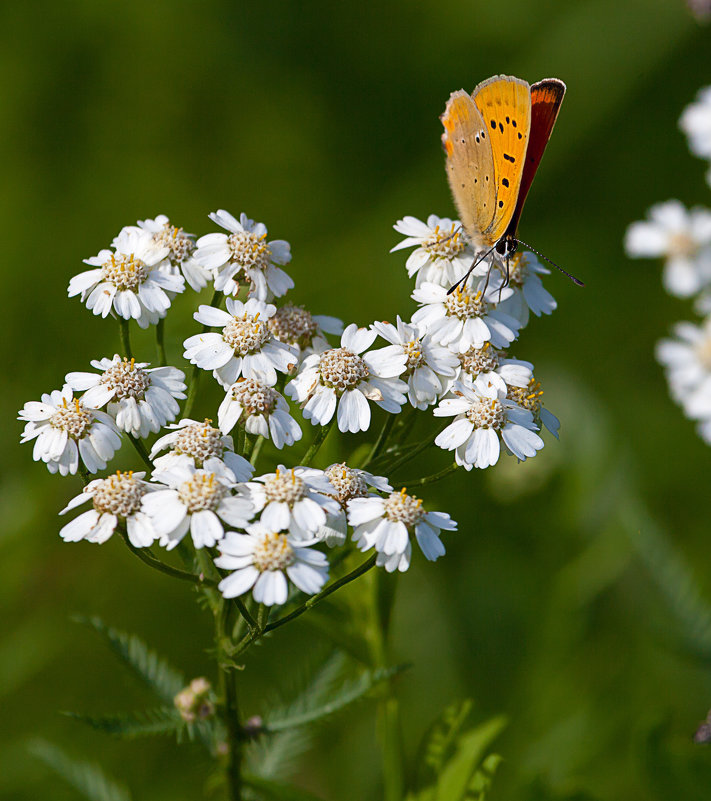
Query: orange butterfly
<point x="494" y="141"/>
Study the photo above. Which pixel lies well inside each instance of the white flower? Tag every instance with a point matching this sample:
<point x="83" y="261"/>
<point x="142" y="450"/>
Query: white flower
<point x="198" y="442"/>
<point x="127" y="280"/>
<point x="683" y="238"/>
<point x="199" y="499"/>
<point x="468" y="317"/>
<point x="259" y="409"/>
<point x="529" y="293"/>
<point x="696" y="123"/>
<point x="245" y="346"/>
<point x="303" y="331"/>
<point x="262" y="560"/>
<point x="245" y="251"/>
<point x="347" y="483"/>
<point x="442" y="255"/>
<point x="116" y="499"/>
<point x="483" y="414"/>
<point x="295" y="500"/>
<point x="65" y="430"/>
<point x="387" y="524"/>
<point x="429" y="368"/>
<point x="141" y="398"/>
<point x="687" y="360"/>
<point x="489" y="362"/>
<point x="530" y="397"/>
<point x="342" y="379"/>
<point x="176" y="249"/>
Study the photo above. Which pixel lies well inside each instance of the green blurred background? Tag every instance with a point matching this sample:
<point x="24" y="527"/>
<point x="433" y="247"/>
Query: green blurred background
<point x="565" y="600"/>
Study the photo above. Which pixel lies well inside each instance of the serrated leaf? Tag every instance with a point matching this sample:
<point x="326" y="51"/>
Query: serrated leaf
<point x="277" y="791"/>
<point x="130" y="725"/>
<point x="86" y="777"/>
<point x="350" y="692"/>
<point x="439" y="742"/>
<point x="161" y="677"/>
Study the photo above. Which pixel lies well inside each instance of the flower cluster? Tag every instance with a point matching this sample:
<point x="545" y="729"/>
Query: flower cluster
<point x="268" y="532"/>
<point x="682" y="238"/>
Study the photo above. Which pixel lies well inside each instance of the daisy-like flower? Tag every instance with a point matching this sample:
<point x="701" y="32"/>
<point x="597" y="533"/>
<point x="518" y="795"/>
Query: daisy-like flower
<point x="198" y="499"/>
<point x="127" y="280"/>
<point x="482" y="414"/>
<point x="348" y="483"/>
<point x="343" y="379"/>
<point x="682" y="238"/>
<point x="261" y="560"/>
<point x="65" y="430"/>
<point x="303" y="331"/>
<point x="530" y="397"/>
<point x="198" y="442"/>
<point x="245" y="346"/>
<point x="493" y="364"/>
<point x="386" y="524"/>
<point x="297" y="500"/>
<point x="245" y="252"/>
<point x="259" y="409"/>
<point x="429" y="368"/>
<point x="468" y="317"/>
<point x="442" y="253"/>
<point x="140" y="398"/>
<point x="695" y="122"/>
<point x="176" y="249"/>
<point x="115" y="499"/>
<point x="529" y="293"/>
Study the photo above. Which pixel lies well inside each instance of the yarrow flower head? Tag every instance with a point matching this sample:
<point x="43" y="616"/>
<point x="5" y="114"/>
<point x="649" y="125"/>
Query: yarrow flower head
<point x="262" y="560"/>
<point x="483" y="414"/>
<point x="115" y="499"/>
<point x="199" y="500"/>
<point x="66" y="430"/>
<point x="429" y="369"/>
<point x="140" y="398"/>
<point x="529" y="293"/>
<point x="682" y="238"/>
<point x="442" y="252"/>
<point x="387" y="524"/>
<point x="245" y="346"/>
<point x="492" y="363"/>
<point x="303" y="331"/>
<point x="246" y="252"/>
<point x="696" y="124"/>
<point x="468" y="317"/>
<point x="342" y="379"/>
<point x="530" y="397"/>
<point x="127" y="280"/>
<point x="197" y="442"/>
<point x="298" y="500"/>
<point x="259" y="409"/>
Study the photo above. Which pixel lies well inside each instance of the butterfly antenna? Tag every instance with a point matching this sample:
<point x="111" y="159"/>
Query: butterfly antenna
<point x="550" y="261"/>
<point x="475" y="263"/>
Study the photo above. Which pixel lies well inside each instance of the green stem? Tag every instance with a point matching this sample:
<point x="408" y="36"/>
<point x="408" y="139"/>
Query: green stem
<point x="398" y="463"/>
<point x="142" y="452"/>
<point x="420" y="482"/>
<point x="256" y="450"/>
<point x="216" y="301"/>
<point x="230" y="709"/>
<point x="319" y="439"/>
<point x="241" y="441"/>
<point x="146" y="556"/>
<point x="160" y="342"/>
<point x="125" y="338"/>
<point x="336" y="585"/>
<point x="251" y="622"/>
<point x="382" y="439"/>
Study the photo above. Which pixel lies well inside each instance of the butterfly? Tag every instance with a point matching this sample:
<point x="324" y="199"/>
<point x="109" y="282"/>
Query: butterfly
<point x="494" y="140"/>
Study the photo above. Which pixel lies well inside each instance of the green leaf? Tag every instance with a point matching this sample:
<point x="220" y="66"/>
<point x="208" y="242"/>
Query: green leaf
<point x="130" y="725"/>
<point x="160" y="677"/>
<point x="87" y="778"/>
<point x="350" y="692"/>
<point x="277" y="791"/>
<point x="438" y="743"/>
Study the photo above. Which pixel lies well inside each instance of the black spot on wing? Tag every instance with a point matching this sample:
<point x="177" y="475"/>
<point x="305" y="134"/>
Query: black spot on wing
<point x="505" y="181"/>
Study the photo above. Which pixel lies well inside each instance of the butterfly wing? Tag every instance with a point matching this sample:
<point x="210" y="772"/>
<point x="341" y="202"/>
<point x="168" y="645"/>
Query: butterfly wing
<point x="546" y="98"/>
<point x="505" y="105"/>
<point x="470" y="166"/>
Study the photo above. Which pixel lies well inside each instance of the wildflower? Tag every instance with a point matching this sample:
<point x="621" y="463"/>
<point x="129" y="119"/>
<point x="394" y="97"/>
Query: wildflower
<point x="529" y="293"/>
<point x="194" y="701"/>
<point x="303" y="331"/>
<point x="530" y="398"/>
<point x="493" y="364"/>
<point x="696" y="123"/>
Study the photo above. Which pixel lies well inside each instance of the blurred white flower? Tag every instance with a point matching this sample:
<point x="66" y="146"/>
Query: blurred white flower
<point x="261" y="560"/>
<point x="115" y="499"/>
<point x="245" y="252"/>
<point x="529" y="293"/>
<point x="65" y="430"/>
<point x="140" y="398"/>
<point x="127" y="280"/>
<point x="245" y="346"/>
<point x="344" y="380"/>
<point x="303" y="331"/>
<point x="682" y="238"/>
<point x="695" y="122"/>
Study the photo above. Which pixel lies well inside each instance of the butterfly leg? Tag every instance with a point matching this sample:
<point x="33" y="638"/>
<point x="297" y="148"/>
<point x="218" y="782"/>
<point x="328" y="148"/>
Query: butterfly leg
<point x="475" y="263"/>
